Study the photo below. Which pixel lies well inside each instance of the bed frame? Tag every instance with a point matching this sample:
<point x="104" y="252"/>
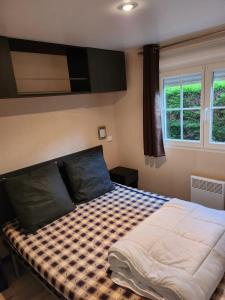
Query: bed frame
<point x="7" y="213"/>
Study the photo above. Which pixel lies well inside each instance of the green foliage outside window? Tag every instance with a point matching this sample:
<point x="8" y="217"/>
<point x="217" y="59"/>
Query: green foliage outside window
<point x="219" y="93"/>
<point x="218" y="126"/>
<point x="191" y="95"/>
<point x="191" y="118"/>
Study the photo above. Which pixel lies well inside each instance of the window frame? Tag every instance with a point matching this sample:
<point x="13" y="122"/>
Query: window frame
<point x="174" y="73"/>
<point x="209" y="77"/>
<point x="207" y="72"/>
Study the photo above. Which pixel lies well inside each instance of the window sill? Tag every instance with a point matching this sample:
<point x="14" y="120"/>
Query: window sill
<point x="191" y="148"/>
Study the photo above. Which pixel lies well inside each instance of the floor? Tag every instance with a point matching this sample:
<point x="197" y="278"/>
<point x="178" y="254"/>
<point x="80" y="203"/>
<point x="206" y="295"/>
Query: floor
<point x="25" y="287"/>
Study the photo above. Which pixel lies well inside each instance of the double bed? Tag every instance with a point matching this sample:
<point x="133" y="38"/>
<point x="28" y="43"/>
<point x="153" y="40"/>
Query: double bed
<point x="70" y="254"/>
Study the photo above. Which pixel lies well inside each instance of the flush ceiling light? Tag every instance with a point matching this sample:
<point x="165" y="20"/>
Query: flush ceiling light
<point x="128" y="6"/>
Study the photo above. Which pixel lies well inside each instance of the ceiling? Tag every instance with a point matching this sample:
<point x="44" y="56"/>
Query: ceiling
<point x="98" y="23"/>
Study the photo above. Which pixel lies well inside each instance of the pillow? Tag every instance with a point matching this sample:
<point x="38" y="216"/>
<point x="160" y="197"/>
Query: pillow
<point x="38" y="197"/>
<point x="88" y="176"/>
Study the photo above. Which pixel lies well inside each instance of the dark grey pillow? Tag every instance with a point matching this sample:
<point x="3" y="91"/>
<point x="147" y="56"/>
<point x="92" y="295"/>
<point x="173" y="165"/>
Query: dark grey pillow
<point x="38" y="197"/>
<point x="88" y="177"/>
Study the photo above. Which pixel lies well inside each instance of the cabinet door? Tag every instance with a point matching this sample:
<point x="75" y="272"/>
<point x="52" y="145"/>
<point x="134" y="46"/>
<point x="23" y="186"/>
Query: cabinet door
<point x="78" y="69"/>
<point x="7" y="79"/>
<point x="106" y="70"/>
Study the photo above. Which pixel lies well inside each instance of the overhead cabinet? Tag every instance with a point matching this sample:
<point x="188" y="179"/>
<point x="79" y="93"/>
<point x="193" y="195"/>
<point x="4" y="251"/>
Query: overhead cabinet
<point x="30" y="68"/>
<point x="7" y="79"/>
<point x="78" y="69"/>
<point x="107" y="70"/>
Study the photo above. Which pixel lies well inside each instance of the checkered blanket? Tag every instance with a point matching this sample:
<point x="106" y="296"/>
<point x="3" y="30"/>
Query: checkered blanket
<point x="71" y="253"/>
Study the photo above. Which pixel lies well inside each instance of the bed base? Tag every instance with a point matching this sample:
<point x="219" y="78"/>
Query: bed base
<point x="18" y="260"/>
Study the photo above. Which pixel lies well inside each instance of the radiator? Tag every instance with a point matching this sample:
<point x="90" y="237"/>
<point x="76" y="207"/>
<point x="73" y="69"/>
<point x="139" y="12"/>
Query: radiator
<point x="208" y="192"/>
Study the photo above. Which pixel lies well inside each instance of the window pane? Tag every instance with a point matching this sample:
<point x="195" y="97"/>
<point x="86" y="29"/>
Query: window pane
<point x="191" y="125"/>
<point x="192" y="95"/>
<point x="173" y="125"/>
<point x="173" y="96"/>
<point x="218" y="126"/>
<point x="219" y="92"/>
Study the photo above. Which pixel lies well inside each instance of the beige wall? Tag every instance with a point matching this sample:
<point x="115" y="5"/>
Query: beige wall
<point x="37" y="129"/>
<point x="171" y="176"/>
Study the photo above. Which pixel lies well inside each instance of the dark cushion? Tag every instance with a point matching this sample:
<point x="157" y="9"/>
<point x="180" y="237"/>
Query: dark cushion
<point x="88" y="176"/>
<point x="38" y="197"/>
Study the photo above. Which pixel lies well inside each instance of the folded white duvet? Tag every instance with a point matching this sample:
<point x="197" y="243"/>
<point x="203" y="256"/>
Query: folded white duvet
<point x="176" y="253"/>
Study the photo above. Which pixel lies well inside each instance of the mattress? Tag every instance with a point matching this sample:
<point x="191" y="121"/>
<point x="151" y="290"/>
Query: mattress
<point x="71" y="253"/>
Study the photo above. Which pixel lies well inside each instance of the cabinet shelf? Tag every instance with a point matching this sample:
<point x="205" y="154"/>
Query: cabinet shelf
<point x="59" y="69"/>
<point x="80" y="78"/>
<point x="43" y="92"/>
<point x="60" y="79"/>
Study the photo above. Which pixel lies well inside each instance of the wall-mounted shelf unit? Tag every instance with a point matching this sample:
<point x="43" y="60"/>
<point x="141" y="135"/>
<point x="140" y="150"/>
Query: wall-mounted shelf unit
<point x="30" y="68"/>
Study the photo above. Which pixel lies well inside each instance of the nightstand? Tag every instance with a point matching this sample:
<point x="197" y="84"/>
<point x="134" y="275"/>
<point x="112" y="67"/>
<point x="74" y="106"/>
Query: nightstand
<point x="3" y="282"/>
<point x="124" y="176"/>
<point x="4" y="256"/>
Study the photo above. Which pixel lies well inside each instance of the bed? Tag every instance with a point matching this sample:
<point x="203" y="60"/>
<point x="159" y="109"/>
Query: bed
<point x="70" y="254"/>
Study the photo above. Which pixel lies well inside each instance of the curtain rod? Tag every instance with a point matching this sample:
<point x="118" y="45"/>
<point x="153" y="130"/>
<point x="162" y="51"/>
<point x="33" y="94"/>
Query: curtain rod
<point x="194" y="38"/>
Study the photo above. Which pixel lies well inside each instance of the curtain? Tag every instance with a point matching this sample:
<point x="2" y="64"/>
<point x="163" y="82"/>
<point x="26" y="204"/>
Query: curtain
<point x="152" y="125"/>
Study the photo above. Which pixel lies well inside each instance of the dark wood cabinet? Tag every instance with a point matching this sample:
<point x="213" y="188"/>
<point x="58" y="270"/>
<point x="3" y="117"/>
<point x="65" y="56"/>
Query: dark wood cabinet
<point x="107" y="70"/>
<point x="7" y="79"/>
<point x="3" y="282"/>
<point x="77" y="59"/>
<point x="59" y="69"/>
<point x="125" y="176"/>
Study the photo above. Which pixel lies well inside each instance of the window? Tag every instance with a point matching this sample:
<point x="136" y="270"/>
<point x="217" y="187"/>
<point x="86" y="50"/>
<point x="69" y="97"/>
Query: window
<point x="194" y="107"/>
<point x="217" y="108"/>
<point x="182" y="96"/>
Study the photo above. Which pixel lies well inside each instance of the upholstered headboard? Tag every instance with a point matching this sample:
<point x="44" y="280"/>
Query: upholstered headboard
<point x="6" y="211"/>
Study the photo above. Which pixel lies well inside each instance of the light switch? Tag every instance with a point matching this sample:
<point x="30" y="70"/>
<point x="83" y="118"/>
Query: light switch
<point x="109" y="138"/>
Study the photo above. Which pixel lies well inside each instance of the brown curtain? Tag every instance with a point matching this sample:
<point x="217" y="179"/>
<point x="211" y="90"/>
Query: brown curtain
<point x="153" y="138"/>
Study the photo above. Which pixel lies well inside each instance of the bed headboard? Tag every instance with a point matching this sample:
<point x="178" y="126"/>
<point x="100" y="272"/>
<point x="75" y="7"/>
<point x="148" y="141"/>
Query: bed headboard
<point x="6" y="211"/>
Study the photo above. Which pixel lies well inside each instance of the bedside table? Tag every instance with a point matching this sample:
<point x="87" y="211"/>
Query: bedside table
<point x="3" y="283"/>
<point x="124" y="176"/>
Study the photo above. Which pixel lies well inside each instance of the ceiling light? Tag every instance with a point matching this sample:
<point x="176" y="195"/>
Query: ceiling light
<point x="128" y="6"/>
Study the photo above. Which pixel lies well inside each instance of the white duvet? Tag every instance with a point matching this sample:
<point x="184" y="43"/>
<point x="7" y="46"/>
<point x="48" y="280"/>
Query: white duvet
<point x="176" y="253"/>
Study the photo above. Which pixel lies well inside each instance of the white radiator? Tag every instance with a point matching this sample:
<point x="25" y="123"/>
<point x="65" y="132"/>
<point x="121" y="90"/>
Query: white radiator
<point x="208" y="192"/>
